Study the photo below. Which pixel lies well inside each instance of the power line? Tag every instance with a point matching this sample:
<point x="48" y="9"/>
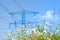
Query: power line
<point x="9" y="12"/>
<point x="4" y="7"/>
<point x="6" y="10"/>
<point x="4" y="19"/>
<point x="23" y="12"/>
<point x="18" y="4"/>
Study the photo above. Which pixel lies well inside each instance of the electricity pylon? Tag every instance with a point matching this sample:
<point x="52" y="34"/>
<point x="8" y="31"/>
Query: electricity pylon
<point x="23" y="14"/>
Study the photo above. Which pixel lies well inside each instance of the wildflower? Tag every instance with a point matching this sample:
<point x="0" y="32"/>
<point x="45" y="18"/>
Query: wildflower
<point x="48" y="39"/>
<point x="18" y="30"/>
<point x="57" y="30"/>
<point x="23" y="27"/>
<point x="13" y="38"/>
<point x="18" y="35"/>
<point x="29" y="24"/>
<point x="8" y="36"/>
<point x="12" y="33"/>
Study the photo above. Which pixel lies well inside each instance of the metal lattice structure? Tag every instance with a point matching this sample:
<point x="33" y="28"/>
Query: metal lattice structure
<point x="23" y="14"/>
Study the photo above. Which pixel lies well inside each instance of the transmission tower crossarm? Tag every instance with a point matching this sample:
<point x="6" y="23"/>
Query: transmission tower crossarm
<point x="24" y="11"/>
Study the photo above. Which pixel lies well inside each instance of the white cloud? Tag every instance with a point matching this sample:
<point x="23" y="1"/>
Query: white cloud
<point x="48" y="15"/>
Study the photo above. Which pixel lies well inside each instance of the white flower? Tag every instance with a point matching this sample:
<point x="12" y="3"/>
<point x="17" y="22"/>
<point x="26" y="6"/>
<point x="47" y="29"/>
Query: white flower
<point x="8" y="36"/>
<point x="45" y="28"/>
<point x="29" y="24"/>
<point x="46" y="23"/>
<point x="12" y="33"/>
<point x="57" y="30"/>
<point x="45" y="31"/>
<point x="40" y="33"/>
<point x="23" y="27"/>
<point x="18" y="30"/>
<point x="12" y="38"/>
<point x="48" y="39"/>
<point x="33" y="30"/>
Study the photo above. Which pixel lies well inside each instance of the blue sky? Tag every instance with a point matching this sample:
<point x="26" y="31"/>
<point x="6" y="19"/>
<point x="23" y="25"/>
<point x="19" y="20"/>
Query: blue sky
<point x="48" y="9"/>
